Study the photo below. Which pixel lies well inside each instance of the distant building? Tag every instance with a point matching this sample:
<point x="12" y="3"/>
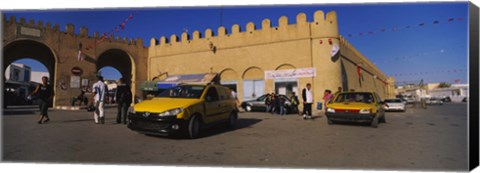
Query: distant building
<point x="456" y="92"/>
<point x="37" y="76"/>
<point x="18" y="72"/>
<point x="17" y="84"/>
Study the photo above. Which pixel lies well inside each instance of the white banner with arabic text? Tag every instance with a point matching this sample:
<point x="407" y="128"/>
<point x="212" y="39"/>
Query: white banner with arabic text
<point x="293" y="73"/>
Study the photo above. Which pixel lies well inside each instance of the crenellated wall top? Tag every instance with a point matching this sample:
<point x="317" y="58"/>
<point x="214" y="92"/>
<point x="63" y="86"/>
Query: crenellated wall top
<point x="324" y="26"/>
<point x="69" y="30"/>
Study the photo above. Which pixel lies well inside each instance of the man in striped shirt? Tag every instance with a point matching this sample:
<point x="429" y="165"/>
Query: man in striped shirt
<point x="99" y="90"/>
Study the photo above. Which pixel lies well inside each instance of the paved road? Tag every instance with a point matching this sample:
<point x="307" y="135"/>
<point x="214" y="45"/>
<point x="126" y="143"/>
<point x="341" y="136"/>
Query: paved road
<point x="419" y="139"/>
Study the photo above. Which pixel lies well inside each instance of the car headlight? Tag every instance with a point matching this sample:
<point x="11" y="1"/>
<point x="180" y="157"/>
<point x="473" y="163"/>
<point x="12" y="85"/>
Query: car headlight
<point x="364" y="111"/>
<point x="331" y="110"/>
<point x="171" y="112"/>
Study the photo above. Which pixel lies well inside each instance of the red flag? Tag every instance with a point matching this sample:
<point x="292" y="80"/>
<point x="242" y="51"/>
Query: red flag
<point x="358" y="70"/>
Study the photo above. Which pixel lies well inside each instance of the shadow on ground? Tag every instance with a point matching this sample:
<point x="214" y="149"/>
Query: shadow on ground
<point x="217" y="129"/>
<point x="18" y="112"/>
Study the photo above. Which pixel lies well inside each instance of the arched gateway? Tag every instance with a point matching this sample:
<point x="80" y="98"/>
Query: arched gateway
<point x="58" y="51"/>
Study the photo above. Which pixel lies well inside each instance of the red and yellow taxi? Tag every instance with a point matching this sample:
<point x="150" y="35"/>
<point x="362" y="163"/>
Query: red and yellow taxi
<point x="357" y="107"/>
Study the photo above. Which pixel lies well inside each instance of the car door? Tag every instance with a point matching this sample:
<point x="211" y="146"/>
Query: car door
<point x="213" y="105"/>
<point x="259" y="103"/>
<point x="227" y="103"/>
<point x="379" y="104"/>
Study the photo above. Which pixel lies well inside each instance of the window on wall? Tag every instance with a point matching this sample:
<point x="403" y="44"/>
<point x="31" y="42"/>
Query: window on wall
<point x="26" y="76"/>
<point x="15" y="75"/>
<point x="253" y="89"/>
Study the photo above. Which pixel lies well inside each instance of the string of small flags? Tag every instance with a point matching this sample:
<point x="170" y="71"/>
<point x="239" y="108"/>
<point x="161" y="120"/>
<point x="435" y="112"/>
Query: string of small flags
<point x="430" y="72"/>
<point x="111" y="33"/>
<point x="416" y="56"/>
<point x="396" y="29"/>
<point x="457" y="81"/>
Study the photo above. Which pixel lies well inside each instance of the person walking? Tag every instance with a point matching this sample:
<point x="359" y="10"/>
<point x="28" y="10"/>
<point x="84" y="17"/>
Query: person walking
<point x="274" y="104"/>
<point x="123" y="97"/>
<point x="281" y="105"/>
<point x="99" y="90"/>
<point x="294" y="101"/>
<point x="44" y="93"/>
<point x="307" y="101"/>
<point x="268" y="102"/>
<point x="327" y="97"/>
<point x="338" y="91"/>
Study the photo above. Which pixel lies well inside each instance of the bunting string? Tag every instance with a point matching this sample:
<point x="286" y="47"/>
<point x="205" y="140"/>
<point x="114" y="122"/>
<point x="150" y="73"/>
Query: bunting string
<point x="112" y="32"/>
<point x="456" y="81"/>
<point x="423" y="55"/>
<point x="396" y="29"/>
<point x="430" y="72"/>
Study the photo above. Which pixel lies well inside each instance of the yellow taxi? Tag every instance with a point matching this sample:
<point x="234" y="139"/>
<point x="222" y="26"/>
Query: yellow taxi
<point x="356" y="106"/>
<point x="184" y="109"/>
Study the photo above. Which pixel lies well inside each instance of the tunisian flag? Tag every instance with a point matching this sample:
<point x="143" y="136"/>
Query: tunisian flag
<point x="359" y="71"/>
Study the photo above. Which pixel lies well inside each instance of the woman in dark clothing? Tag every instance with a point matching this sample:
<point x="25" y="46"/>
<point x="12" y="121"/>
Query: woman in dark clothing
<point x="274" y="103"/>
<point x="124" y="99"/>
<point x="44" y="93"/>
<point x="268" y="102"/>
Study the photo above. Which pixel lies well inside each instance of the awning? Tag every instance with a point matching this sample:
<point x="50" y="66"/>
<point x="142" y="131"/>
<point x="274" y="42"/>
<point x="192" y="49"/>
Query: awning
<point x="174" y="80"/>
<point x="149" y="86"/>
<point x="191" y="78"/>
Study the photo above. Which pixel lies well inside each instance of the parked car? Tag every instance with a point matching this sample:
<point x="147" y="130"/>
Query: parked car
<point x="259" y="104"/>
<point x="446" y="99"/>
<point x="184" y="109"/>
<point x="434" y="101"/>
<point x="358" y="107"/>
<point x="409" y="99"/>
<point x="394" y="105"/>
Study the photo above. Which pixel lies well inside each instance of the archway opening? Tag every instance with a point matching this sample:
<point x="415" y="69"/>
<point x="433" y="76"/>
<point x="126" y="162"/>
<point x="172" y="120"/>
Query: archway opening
<point x="25" y="63"/>
<point x="286" y="86"/>
<point x="113" y="64"/>
<point x="111" y="75"/>
<point x="253" y="83"/>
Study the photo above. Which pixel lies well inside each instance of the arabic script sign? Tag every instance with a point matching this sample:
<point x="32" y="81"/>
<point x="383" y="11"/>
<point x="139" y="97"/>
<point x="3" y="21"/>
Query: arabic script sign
<point x="293" y="73"/>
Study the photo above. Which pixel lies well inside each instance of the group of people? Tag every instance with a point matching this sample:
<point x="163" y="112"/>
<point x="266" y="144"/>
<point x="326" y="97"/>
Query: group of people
<point x="123" y="97"/>
<point x="44" y="93"/>
<point x="277" y="103"/>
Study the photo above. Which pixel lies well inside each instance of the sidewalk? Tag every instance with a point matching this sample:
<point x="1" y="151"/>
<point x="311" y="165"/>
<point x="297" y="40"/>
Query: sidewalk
<point x="76" y="108"/>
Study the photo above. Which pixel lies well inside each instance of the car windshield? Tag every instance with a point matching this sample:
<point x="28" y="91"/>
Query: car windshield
<point x="261" y="98"/>
<point x="354" y="97"/>
<point x="184" y="91"/>
<point x="393" y="101"/>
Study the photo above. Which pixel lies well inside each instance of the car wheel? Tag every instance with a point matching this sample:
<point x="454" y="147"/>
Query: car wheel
<point x="248" y="108"/>
<point x="329" y="121"/>
<point x="232" y="119"/>
<point x="374" y="123"/>
<point x="194" y="127"/>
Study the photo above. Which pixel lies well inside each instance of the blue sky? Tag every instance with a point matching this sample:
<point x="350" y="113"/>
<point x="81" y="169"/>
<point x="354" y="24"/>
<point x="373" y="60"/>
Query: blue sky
<point x="433" y="48"/>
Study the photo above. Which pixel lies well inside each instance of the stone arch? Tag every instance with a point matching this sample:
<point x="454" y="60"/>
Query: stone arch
<point x="285" y="67"/>
<point x="26" y="48"/>
<point x="228" y="74"/>
<point x="120" y="60"/>
<point x="253" y="73"/>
